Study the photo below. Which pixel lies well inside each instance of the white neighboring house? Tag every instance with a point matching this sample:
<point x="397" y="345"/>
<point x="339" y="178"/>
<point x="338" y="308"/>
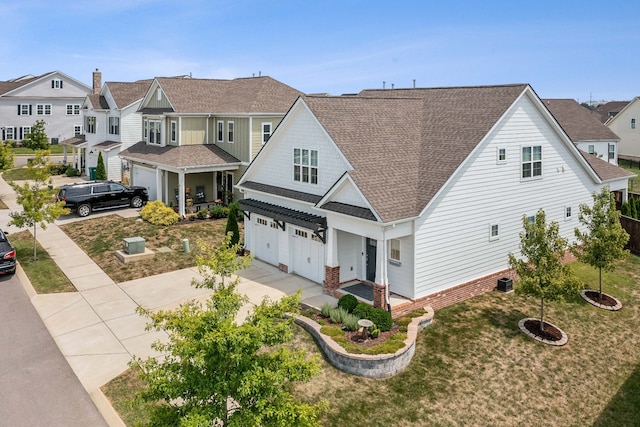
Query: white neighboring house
<point x="112" y="124"/>
<point x="418" y="193"/>
<point x="585" y="128"/>
<point x="53" y="97"/>
<point x="626" y="124"/>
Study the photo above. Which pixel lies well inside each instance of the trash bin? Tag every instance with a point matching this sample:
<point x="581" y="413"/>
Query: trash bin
<point x="92" y="173"/>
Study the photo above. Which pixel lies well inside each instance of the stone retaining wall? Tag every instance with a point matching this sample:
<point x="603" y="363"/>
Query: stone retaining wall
<point x="371" y="366"/>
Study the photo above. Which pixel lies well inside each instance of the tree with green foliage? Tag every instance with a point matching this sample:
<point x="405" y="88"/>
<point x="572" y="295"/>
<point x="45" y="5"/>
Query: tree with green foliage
<point x="218" y="371"/>
<point x="541" y="272"/>
<point x="7" y="157"/>
<point x="101" y="172"/>
<point x="37" y="139"/>
<point x="232" y="227"/>
<point x="604" y="239"/>
<point x="38" y="202"/>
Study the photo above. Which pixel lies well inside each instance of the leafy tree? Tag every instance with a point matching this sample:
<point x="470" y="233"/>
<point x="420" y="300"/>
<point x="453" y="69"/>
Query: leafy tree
<point x="220" y="372"/>
<point x="541" y="272"/>
<point x="38" y="201"/>
<point x="101" y="172"/>
<point x="6" y="157"/>
<point x="37" y="139"/>
<point x="603" y="242"/>
<point x="232" y="227"/>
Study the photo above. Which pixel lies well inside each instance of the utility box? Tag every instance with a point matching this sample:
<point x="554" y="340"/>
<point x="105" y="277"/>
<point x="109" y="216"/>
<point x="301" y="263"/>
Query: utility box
<point x="505" y="284"/>
<point x="133" y="245"/>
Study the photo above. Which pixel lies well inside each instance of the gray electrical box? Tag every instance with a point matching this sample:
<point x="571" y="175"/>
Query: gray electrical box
<point x="133" y="245"/>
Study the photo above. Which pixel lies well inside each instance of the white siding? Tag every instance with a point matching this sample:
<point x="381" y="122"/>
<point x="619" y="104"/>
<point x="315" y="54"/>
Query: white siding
<point x="348" y="194"/>
<point x="621" y="126"/>
<point x="351" y="256"/>
<point x="452" y="237"/>
<point x="600" y="148"/>
<point x="400" y="275"/>
<point x="113" y="165"/>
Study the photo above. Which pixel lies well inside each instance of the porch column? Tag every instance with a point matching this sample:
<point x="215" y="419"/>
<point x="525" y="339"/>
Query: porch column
<point x="181" y="201"/>
<point x="165" y="187"/>
<point x="332" y="267"/>
<point x="64" y="152"/>
<point x="379" y="288"/>
<point x="159" y="187"/>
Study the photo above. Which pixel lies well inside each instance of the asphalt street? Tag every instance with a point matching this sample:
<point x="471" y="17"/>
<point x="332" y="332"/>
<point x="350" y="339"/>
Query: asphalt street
<point x="37" y="385"/>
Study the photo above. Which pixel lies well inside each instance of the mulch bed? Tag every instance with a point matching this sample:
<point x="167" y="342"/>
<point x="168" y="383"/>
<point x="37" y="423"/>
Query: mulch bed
<point x="605" y="300"/>
<point x="550" y="332"/>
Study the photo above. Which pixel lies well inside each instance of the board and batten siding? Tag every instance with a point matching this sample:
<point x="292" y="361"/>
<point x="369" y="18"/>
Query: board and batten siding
<point x="193" y="130"/>
<point x="302" y="131"/>
<point x="239" y="148"/>
<point x="452" y="240"/>
<point x="154" y="102"/>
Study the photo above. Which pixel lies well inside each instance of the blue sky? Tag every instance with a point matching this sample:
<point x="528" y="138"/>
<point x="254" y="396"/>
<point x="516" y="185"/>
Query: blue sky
<point x="564" y="49"/>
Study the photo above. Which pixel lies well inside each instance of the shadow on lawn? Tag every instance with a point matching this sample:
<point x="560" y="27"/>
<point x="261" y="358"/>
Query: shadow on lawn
<point x="505" y="319"/>
<point x="624" y="408"/>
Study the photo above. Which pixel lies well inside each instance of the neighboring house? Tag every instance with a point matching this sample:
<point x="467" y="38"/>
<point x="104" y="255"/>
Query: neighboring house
<point x="626" y="124"/>
<point x="585" y="128"/>
<point x="609" y="109"/>
<point x="53" y="97"/>
<point x="112" y="123"/>
<point x="199" y="135"/>
<point x="418" y="193"/>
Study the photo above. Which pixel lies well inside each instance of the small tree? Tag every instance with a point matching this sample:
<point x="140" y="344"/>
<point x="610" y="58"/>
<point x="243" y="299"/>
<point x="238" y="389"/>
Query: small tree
<point x="232" y="227"/>
<point x="541" y="272"/>
<point x="603" y="242"/>
<point x="37" y="199"/>
<point x="37" y="139"/>
<point x="220" y="372"/>
<point x="6" y="157"/>
<point x="101" y="172"/>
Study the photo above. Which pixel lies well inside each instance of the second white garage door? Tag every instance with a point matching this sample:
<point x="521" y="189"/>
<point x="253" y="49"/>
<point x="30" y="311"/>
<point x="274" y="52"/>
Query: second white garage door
<point x="307" y="254"/>
<point x="145" y="177"/>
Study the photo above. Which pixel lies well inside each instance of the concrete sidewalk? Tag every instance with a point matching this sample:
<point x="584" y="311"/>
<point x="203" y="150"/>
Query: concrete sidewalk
<point x="97" y="328"/>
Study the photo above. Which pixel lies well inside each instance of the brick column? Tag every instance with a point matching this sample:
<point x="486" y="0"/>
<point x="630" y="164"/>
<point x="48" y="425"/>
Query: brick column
<point x="331" y="278"/>
<point x="283" y="268"/>
<point x="378" y="296"/>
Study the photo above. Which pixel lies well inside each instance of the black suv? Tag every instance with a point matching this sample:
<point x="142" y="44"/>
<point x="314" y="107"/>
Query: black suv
<point x="85" y="197"/>
<point x="7" y="255"/>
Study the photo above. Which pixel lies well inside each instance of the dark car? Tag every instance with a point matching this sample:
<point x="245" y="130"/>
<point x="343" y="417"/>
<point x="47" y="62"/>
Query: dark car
<point x="85" y="197"/>
<point x="7" y="255"/>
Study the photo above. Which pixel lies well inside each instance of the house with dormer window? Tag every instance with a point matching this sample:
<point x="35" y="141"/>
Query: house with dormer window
<point x="53" y="97"/>
<point x="413" y="197"/>
<point x="199" y="136"/>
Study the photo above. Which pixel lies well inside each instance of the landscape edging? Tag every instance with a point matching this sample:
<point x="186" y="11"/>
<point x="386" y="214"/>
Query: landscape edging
<point x="365" y="365"/>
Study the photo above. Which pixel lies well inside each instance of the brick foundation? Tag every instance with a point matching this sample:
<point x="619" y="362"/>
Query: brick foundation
<point x="331" y="281"/>
<point x="283" y="268"/>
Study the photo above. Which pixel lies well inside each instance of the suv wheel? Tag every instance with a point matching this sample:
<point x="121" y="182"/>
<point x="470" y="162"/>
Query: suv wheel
<point x="136" y="202"/>
<point x="83" y="210"/>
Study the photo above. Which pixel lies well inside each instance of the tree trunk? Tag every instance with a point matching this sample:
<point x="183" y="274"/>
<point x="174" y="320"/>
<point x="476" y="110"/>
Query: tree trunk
<point x="541" y="314"/>
<point x="600" y="274"/>
<point x="34" y="242"/>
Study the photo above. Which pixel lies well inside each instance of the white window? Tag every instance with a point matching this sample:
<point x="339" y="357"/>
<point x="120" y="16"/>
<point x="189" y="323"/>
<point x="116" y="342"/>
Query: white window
<point x="266" y="132"/>
<point x="24" y="131"/>
<point x="567" y="213"/>
<point x="501" y="155"/>
<point x="301" y="233"/>
<point x="73" y="109"/>
<point x="90" y="125"/>
<point x="220" y="131"/>
<point x="494" y="232"/>
<point x="230" y="131"/>
<point x="394" y="250"/>
<point x="77" y="130"/>
<point x="531" y="162"/>
<point x="24" y="110"/>
<point x="261" y="221"/>
<point x="114" y="125"/>
<point x="612" y="151"/>
<point x="591" y="149"/>
<point x="159" y="94"/>
<point x="154" y="132"/>
<point x="8" y="133"/>
<point x="145" y="130"/>
<point x="56" y="84"/>
<point x="174" y="131"/>
<point x="305" y="165"/>
<point x="43" y="109"/>
<point x="633" y="123"/>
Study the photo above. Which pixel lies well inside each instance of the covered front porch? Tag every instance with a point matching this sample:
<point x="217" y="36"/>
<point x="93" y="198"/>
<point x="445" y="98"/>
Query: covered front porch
<point x="78" y="146"/>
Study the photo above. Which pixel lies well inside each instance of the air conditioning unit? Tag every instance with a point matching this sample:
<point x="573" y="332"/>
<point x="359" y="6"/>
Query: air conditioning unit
<point x="505" y="284"/>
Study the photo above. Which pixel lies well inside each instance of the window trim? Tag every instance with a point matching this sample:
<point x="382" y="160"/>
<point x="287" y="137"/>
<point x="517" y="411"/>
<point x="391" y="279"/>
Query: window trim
<point x="173" y="131"/>
<point x="611" y="151"/>
<point x="494" y="236"/>
<point x="532" y="162"/>
<point x="395" y="257"/>
<point x="77" y="130"/>
<point x="73" y="109"/>
<point x="153" y="124"/>
<point x="633" y="123"/>
<point x="91" y="124"/>
<point x="305" y="172"/>
<point x="268" y="135"/>
<point x="114" y="127"/>
<point x="220" y="131"/>
<point x="43" y="109"/>
<point x="56" y="84"/>
<point x="231" y="129"/>
<point x="501" y="161"/>
<point x="568" y="213"/>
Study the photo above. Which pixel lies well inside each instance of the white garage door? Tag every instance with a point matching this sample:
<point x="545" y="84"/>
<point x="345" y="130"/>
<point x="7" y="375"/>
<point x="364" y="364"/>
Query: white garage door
<point x="307" y="255"/>
<point x="145" y="177"/>
<point x="265" y="244"/>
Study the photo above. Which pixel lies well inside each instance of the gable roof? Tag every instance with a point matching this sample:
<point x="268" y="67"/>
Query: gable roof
<point x="389" y="136"/>
<point x="184" y="156"/>
<point x="99" y="102"/>
<point x="126" y="93"/>
<point x="242" y="95"/>
<point x="580" y="123"/>
<point x="10" y="85"/>
<point x="610" y="109"/>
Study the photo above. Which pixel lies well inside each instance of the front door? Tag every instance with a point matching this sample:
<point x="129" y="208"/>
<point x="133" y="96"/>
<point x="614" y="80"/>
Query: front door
<point x="371" y="259"/>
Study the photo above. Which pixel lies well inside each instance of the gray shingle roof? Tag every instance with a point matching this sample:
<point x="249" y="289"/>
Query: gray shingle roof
<point x="197" y="155"/>
<point x="126" y="93"/>
<point x="9" y="85"/>
<point x="578" y="122"/>
<point x="610" y="109"/>
<point x="98" y="101"/>
<point x="605" y="170"/>
<point x="243" y="95"/>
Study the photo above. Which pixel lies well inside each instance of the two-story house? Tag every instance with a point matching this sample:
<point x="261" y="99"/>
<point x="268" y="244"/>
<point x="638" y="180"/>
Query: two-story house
<point x="626" y="124"/>
<point x="199" y="135"/>
<point x="585" y="128"/>
<point x="53" y="97"/>
<point x="416" y="194"/>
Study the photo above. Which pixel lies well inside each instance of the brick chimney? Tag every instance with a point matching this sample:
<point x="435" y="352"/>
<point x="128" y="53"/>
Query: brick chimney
<point x="97" y="81"/>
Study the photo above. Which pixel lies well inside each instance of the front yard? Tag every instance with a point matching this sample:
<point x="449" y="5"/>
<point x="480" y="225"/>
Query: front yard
<point x="101" y="237"/>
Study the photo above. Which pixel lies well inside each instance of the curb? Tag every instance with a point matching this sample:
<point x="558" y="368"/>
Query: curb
<point x="103" y="404"/>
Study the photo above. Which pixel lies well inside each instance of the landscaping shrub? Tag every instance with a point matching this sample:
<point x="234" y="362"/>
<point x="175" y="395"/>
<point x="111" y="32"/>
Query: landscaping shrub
<point x="379" y="316"/>
<point x="71" y="171"/>
<point x="232" y="227"/>
<point x="325" y="310"/>
<point x="350" y="321"/>
<point x="202" y="214"/>
<point x="235" y="207"/>
<point x="218" y="211"/>
<point x="157" y="213"/>
<point x="348" y="302"/>
<point x="337" y="314"/>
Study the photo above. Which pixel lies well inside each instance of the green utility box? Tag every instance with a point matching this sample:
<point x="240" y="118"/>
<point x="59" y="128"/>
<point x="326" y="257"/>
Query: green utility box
<point x="92" y="174"/>
<point x="133" y="245"/>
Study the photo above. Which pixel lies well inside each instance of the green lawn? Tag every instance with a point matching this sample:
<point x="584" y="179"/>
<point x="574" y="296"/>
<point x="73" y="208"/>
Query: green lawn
<point x="56" y="149"/>
<point x="634" y="183"/>
<point x="474" y="367"/>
